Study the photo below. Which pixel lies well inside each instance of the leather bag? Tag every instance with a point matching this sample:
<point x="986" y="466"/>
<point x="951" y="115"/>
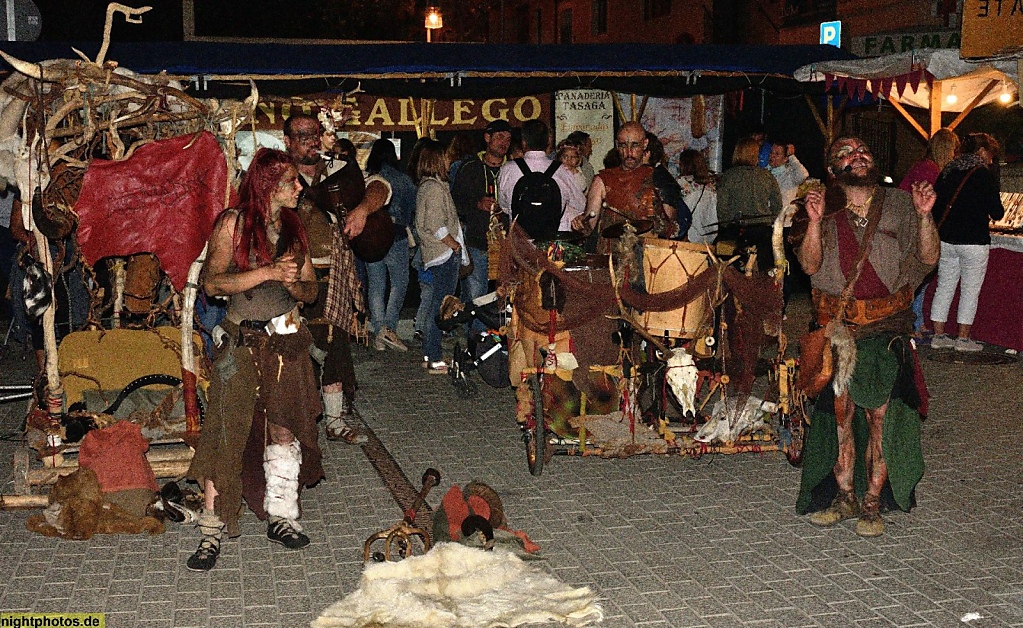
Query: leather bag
<point x="816" y="362"/>
<point x="816" y="357"/>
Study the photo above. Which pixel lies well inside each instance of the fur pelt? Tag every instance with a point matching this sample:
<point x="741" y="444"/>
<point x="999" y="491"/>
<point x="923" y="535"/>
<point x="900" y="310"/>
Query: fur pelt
<point x="726" y="423"/>
<point x="77" y="511"/>
<point x="457" y="586"/>
<point x="281" y="464"/>
<point x="844" y="344"/>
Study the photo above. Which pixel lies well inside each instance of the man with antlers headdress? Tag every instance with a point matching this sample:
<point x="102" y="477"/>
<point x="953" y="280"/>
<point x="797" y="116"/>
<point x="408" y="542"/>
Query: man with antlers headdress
<point x="331" y="319"/>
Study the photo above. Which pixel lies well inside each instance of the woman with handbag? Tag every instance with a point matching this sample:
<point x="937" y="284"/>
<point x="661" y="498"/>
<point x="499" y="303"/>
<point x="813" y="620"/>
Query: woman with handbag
<point x="968" y="198"/>
<point x="441" y="242"/>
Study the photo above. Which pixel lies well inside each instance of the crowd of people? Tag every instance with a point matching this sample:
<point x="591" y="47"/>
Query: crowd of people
<point x="283" y="259"/>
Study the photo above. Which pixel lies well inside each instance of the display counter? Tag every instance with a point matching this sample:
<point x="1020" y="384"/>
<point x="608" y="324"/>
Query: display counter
<point x="999" y="319"/>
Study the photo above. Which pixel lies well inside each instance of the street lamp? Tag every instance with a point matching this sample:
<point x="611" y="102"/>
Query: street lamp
<point x="434" y="20"/>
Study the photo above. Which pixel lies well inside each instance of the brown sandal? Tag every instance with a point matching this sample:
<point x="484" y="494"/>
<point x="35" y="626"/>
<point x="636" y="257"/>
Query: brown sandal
<point x="344" y="433"/>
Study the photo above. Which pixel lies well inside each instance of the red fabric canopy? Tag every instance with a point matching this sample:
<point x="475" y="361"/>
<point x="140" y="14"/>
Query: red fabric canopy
<point x="162" y="200"/>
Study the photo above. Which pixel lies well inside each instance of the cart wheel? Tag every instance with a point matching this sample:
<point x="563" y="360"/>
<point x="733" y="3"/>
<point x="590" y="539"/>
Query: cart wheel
<point x="21" y="465"/>
<point x="536" y="438"/>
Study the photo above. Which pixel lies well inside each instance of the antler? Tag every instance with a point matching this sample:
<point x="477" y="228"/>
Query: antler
<point x="131" y="15"/>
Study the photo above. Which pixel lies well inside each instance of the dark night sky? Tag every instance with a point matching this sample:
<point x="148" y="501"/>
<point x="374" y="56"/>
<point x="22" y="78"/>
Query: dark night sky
<point x="82" y="20"/>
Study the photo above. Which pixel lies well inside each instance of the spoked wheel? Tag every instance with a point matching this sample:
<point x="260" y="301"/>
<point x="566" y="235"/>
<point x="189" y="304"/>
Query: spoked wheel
<point x="536" y="437"/>
<point x="460" y="373"/>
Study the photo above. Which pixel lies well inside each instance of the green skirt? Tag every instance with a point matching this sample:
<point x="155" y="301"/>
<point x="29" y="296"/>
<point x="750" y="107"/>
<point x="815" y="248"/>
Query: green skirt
<point x="877" y="369"/>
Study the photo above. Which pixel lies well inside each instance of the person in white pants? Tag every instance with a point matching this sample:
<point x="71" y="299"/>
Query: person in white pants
<point x="968" y="199"/>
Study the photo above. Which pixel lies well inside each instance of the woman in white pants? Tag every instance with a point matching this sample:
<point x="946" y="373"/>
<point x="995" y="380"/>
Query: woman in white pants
<point x="968" y="199"/>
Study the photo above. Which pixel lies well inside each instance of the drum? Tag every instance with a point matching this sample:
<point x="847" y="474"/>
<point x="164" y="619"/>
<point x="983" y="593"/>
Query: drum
<point x="667" y="265"/>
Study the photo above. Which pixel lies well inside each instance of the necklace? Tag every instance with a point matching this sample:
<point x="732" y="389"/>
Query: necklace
<point x="855" y="209"/>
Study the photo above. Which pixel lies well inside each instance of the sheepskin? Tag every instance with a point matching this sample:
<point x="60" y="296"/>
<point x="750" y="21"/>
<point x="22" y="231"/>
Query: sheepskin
<point x="457" y="586"/>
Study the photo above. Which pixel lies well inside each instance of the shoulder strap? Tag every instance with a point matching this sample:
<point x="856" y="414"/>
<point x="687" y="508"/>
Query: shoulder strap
<point x="551" y="169"/>
<point x="873" y="218"/>
<point x="951" y="201"/>
<point x="521" y="163"/>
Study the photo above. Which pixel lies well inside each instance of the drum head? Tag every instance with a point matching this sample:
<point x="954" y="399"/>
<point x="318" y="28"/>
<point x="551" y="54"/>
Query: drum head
<point x="641" y="225"/>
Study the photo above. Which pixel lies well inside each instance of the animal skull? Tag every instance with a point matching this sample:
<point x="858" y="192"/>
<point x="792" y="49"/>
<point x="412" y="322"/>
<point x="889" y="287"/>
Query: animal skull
<point x="682" y="377"/>
<point x="726" y="425"/>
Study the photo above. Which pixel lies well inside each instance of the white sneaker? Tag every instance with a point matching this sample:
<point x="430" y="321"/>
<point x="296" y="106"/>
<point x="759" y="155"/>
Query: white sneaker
<point x="379" y="343"/>
<point x="967" y="345"/>
<point x="942" y="342"/>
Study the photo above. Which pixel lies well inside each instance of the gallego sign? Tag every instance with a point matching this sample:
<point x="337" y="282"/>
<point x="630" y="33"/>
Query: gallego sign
<point x="891" y="43"/>
<point x="380" y="114"/>
<point x="992" y="27"/>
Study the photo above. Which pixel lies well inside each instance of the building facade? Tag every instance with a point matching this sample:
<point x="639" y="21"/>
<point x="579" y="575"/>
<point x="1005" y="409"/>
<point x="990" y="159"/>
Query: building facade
<point x="869" y="27"/>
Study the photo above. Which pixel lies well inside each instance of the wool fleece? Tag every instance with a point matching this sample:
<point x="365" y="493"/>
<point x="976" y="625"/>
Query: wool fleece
<point x="454" y="586"/>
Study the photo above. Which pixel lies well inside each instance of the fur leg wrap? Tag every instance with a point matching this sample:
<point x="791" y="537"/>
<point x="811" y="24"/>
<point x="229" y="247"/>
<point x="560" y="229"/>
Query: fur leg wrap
<point x="210" y="525"/>
<point x="335" y="407"/>
<point x="281" y="464"/>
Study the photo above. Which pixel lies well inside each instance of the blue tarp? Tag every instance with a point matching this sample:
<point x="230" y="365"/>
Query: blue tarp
<point x="461" y="70"/>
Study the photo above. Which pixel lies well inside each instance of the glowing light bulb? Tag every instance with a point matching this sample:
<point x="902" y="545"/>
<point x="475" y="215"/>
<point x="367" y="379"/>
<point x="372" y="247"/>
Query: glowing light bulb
<point x="1006" y="96"/>
<point x="952" y="98"/>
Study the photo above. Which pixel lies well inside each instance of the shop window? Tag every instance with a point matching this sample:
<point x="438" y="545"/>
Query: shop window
<point x="653" y="9"/>
<point x="598" y="21"/>
<point x="565" y="35"/>
<point x="522" y="24"/>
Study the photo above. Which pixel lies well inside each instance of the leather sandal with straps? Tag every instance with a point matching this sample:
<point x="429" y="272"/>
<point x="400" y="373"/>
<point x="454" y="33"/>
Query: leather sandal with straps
<point x="288" y="534"/>
<point x="337" y="430"/>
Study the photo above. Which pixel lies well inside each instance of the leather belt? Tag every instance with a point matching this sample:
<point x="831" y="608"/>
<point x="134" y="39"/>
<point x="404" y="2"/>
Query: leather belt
<point x="861" y="311"/>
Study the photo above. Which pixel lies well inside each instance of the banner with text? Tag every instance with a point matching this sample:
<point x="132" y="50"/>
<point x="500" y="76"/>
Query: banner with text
<point x="991" y="27"/>
<point x="588" y="110"/>
<point x="372" y="114"/>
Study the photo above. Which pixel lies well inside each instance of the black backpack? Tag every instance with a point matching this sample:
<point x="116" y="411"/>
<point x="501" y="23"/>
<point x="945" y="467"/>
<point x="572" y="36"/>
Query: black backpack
<point x="536" y="201"/>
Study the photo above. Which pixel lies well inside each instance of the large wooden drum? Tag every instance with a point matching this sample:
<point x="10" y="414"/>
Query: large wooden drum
<point x="667" y="265"/>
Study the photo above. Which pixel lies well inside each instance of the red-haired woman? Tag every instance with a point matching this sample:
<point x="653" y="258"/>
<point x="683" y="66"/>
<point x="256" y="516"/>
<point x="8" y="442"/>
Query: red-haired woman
<point x="259" y="440"/>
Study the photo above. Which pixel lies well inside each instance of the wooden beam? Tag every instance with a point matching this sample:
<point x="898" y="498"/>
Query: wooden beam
<point x="976" y="101"/>
<point x="935" y="109"/>
<point x="912" y="121"/>
<point x="816" y="114"/>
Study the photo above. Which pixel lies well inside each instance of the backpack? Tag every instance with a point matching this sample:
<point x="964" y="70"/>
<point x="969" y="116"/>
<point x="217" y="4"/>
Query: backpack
<point x="536" y="201"/>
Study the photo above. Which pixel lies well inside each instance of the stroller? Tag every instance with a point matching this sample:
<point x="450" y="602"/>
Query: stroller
<point x="485" y="352"/>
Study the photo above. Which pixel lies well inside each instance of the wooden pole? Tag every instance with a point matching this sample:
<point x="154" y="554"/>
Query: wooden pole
<point x="984" y="92"/>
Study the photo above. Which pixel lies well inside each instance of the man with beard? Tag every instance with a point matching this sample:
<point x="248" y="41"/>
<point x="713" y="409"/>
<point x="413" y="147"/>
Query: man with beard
<point x="627" y="191"/>
<point x="475" y="194"/>
<point x="867" y="288"/>
<point x="340" y="294"/>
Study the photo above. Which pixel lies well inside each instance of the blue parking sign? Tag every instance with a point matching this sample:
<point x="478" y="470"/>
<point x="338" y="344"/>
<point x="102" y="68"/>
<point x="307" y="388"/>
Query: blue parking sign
<point x="831" y="33"/>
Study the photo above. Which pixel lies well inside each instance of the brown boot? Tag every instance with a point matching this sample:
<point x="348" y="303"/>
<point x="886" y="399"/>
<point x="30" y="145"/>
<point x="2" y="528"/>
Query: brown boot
<point x="870" y="523"/>
<point x="843" y="507"/>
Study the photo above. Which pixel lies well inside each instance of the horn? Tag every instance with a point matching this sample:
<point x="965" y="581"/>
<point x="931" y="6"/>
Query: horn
<point x="253" y="98"/>
<point x="33" y="70"/>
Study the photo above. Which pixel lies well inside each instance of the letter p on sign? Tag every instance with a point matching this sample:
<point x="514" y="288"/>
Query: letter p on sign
<point x="831" y="33"/>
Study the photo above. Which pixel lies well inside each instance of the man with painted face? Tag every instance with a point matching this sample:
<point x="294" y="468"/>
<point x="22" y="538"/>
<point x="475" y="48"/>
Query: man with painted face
<point x="862" y="452"/>
<point x="625" y="192"/>
<point x="340" y="296"/>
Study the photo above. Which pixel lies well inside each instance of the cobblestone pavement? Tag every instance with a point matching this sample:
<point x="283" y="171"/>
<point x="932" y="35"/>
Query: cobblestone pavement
<point x="665" y="541"/>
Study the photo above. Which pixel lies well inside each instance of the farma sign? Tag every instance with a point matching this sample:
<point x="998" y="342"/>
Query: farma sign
<point x="892" y="43"/>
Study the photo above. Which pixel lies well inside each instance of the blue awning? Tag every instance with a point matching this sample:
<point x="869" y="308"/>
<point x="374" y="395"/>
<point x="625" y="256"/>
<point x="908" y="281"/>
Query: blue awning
<point x="445" y="70"/>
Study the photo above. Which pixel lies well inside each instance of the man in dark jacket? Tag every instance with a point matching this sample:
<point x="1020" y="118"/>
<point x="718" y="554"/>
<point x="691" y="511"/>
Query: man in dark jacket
<point x="475" y="195"/>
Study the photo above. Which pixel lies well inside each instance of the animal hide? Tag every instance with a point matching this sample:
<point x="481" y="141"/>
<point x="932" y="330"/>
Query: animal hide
<point x="456" y="586"/>
<point x="726" y="424"/>
<point x="77" y="511"/>
<point x="170" y="192"/>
